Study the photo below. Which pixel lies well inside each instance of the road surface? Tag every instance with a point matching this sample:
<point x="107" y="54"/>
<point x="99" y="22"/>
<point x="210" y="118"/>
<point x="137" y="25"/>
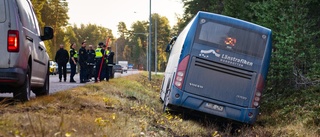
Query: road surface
<point x="56" y="86"/>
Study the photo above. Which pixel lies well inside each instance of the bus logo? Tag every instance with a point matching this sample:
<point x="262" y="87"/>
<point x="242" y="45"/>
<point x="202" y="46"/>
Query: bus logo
<point x="204" y="52"/>
<point x="225" y="58"/>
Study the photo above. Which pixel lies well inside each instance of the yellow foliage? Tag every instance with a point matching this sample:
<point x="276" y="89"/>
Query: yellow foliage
<point x="68" y="134"/>
<point x="113" y="116"/>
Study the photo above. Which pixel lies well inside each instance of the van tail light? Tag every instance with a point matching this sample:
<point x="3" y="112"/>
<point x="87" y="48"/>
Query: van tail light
<point x="13" y="41"/>
<point x="180" y="75"/>
<point x="258" y="92"/>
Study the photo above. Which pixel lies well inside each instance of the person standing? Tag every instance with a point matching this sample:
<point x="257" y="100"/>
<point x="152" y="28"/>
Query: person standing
<point x="110" y="62"/>
<point x="73" y="61"/>
<point x="91" y="61"/>
<point x="100" y="64"/>
<point x="62" y="58"/>
<point x="83" y="57"/>
<point x="106" y="54"/>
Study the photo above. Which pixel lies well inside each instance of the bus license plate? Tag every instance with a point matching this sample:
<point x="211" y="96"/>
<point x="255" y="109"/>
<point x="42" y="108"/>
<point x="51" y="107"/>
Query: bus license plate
<point x="214" y="106"/>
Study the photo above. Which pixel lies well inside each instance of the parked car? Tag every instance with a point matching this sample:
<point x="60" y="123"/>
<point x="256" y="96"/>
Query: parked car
<point x="68" y="68"/>
<point x="117" y="68"/>
<point x="124" y="65"/>
<point x="53" y="68"/>
<point x="24" y="63"/>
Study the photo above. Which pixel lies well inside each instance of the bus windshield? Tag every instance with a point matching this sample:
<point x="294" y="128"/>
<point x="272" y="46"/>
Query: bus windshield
<point x="231" y="38"/>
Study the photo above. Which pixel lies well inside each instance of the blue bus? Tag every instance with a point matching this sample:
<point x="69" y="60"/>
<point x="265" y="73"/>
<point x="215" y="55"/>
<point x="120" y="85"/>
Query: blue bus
<point x="218" y="65"/>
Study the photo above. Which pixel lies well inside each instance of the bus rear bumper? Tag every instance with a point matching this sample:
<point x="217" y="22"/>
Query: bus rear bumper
<point x="194" y="102"/>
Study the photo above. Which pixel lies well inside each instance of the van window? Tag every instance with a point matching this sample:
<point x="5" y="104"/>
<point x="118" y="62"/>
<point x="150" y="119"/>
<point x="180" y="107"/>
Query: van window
<point x="2" y="11"/>
<point x="26" y="15"/>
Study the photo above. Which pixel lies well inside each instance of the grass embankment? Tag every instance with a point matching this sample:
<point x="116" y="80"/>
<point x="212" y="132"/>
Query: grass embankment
<point x="292" y="113"/>
<point x="130" y="106"/>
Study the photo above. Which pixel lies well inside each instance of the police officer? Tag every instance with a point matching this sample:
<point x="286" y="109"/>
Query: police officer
<point x="73" y="61"/>
<point x="83" y="57"/>
<point x="106" y="53"/>
<point x="100" y="64"/>
<point x="91" y="61"/>
<point x="110" y="62"/>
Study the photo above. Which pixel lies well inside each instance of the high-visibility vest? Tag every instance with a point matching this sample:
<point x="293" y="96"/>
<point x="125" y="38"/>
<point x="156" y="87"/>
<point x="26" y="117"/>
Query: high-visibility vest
<point x="107" y="53"/>
<point x="98" y="53"/>
<point x="75" y="54"/>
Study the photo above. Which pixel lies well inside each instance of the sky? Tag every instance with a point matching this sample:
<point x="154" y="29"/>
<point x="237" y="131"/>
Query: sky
<point x="108" y="13"/>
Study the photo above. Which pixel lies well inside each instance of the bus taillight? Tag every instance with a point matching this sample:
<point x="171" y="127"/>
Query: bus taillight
<point x="258" y="93"/>
<point x="181" y="72"/>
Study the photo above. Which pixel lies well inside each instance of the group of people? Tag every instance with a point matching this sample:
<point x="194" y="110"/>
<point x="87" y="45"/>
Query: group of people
<point x="95" y="63"/>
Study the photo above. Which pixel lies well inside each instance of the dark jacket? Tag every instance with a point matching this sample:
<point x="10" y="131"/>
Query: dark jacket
<point x="83" y="56"/>
<point x="91" y="56"/>
<point x="110" y="57"/>
<point x="62" y="56"/>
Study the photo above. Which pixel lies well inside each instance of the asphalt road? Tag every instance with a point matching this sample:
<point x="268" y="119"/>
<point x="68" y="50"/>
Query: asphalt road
<point x="56" y="86"/>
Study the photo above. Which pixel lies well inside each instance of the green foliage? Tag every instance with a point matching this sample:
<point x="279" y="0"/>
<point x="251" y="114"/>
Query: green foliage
<point x="292" y="106"/>
<point x="91" y="33"/>
<point x="132" y="44"/>
<point x="54" y="13"/>
<point x="293" y="32"/>
<point x="37" y="7"/>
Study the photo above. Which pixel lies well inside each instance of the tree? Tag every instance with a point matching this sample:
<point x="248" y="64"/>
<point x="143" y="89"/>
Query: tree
<point x="122" y="29"/>
<point x="55" y="13"/>
<point x="127" y="53"/>
<point x="138" y="40"/>
<point x="37" y="7"/>
<point x="294" y="41"/>
<point x="90" y="33"/>
<point x="163" y="37"/>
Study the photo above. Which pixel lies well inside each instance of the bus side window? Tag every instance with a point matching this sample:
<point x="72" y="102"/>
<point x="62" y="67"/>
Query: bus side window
<point x="171" y="43"/>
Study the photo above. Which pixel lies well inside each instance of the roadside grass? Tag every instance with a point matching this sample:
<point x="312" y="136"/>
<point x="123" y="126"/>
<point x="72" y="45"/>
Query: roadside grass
<point x="130" y="107"/>
<point x="292" y="113"/>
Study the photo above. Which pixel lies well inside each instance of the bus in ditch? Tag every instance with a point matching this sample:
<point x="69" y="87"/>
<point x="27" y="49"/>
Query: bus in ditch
<point x="218" y="65"/>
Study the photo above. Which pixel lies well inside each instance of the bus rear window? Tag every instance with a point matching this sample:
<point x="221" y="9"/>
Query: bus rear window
<point x="231" y="38"/>
<point x="2" y="11"/>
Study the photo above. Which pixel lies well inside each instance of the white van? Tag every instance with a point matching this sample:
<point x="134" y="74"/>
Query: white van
<point x="24" y="62"/>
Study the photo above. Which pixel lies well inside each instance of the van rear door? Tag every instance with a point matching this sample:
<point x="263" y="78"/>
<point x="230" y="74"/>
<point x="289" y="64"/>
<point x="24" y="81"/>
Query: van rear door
<point x="4" y="27"/>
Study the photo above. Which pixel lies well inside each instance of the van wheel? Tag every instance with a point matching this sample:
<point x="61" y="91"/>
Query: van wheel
<point x="43" y="90"/>
<point x="23" y="93"/>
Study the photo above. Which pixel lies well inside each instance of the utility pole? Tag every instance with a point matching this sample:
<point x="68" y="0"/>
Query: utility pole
<point x="149" y="63"/>
<point x="155" y="46"/>
<point x="147" y="53"/>
<point x="116" y="52"/>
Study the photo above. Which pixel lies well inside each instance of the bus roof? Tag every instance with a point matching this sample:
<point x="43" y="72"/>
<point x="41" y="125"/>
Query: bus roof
<point x="233" y="21"/>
